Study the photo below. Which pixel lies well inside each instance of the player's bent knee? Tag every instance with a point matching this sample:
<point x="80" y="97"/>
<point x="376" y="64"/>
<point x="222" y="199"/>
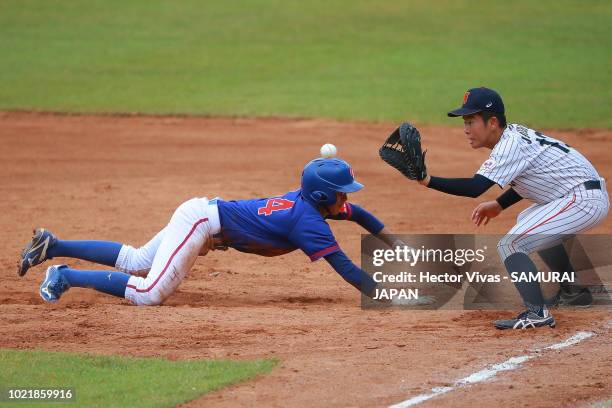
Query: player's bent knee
<point x="133" y="261"/>
<point x="152" y="298"/>
<point x="507" y="246"/>
<point x="185" y="208"/>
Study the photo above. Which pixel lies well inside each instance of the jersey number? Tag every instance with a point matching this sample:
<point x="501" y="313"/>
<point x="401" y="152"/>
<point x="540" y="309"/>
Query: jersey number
<point x="275" y="204"/>
<point x="543" y="141"/>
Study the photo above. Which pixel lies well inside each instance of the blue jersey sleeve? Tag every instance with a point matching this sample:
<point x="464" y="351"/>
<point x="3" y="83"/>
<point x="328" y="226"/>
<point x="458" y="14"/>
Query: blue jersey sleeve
<point x="361" y="216"/>
<point x="352" y="273"/>
<point x="313" y="236"/>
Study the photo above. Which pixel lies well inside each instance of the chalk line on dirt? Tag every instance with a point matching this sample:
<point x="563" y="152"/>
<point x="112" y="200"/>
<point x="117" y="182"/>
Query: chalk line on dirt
<point x="491" y="371"/>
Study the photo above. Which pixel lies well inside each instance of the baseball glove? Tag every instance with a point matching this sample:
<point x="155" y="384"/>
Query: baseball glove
<point x="402" y="150"/>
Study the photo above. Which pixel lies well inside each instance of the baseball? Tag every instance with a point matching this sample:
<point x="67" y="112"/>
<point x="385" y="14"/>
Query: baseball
<point x="328" y="151"/>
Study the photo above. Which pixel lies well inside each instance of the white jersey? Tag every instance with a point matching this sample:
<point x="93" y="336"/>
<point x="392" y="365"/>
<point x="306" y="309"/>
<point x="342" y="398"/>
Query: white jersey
<point x="539" y="168"/>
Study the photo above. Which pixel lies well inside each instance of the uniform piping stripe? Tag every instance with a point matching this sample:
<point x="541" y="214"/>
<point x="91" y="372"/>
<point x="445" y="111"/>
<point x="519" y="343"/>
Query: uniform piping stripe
<point x="324" y="252"/>
<point x="170" y="259"/>
<point x="546" y="220"/>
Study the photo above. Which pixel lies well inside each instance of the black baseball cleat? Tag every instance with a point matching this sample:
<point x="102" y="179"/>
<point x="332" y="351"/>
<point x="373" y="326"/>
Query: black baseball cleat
<point x="582" y="298"/>
<point x="527" y="319"/>
<point x="36" y="251"/>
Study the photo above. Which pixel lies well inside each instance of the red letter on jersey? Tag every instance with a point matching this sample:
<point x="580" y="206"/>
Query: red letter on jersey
<point x="275" y="204"/>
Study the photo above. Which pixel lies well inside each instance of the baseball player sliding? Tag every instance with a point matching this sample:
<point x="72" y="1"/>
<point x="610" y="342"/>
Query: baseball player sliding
<point x="568" y="194"/>
<point x="266" y="226"/>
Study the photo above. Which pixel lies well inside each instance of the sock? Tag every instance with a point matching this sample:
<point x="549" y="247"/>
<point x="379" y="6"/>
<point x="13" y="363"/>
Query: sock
<point x="529" y="291"/>
<point x="110" y="282"/>
<point x="102" y="252"/>
<point x="556" y="259"/>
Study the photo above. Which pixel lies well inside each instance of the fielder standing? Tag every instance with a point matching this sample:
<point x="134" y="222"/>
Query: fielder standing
<point x="567" y="193"/>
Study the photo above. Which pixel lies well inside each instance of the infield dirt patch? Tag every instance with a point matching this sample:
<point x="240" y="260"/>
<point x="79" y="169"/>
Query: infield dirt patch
<point x="120" y="178"/>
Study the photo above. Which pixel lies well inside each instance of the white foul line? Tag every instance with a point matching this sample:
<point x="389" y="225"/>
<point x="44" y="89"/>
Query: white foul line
<point x="511" y="364"/>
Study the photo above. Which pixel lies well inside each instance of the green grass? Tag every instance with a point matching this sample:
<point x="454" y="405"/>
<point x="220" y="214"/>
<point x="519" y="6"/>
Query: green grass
<point x="371" y="60"/>
<point x="112" y="381"/>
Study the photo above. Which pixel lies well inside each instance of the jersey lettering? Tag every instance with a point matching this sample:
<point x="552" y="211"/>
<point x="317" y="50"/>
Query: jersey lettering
<point x="275" y="204"/>
<point x="523" y="130"/>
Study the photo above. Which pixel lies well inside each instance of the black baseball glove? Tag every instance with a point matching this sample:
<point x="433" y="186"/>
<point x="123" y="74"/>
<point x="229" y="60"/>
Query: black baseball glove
<point x="402" y="150"/>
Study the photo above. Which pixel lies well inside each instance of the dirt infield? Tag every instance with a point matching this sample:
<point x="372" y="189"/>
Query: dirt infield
<point x="120" y="178"/>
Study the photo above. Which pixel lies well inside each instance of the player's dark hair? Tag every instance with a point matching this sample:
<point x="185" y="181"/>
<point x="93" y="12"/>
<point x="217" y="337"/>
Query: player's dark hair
<point x="486" y="115"/>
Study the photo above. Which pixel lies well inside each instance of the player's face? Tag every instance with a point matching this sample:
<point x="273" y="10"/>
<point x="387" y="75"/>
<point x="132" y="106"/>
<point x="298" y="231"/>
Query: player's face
<point x="475" y="130"/>
<point x="335" y="208"/>
<point x="480" y="133"/>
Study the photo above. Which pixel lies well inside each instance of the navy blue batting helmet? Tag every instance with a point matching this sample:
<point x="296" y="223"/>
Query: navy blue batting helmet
<point x="322" y="178"/>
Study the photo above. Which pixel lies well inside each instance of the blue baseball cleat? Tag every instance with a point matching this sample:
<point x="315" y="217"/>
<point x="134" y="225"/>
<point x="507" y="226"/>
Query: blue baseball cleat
<point x="54" y="285"/>
<point x="36" y="251"/>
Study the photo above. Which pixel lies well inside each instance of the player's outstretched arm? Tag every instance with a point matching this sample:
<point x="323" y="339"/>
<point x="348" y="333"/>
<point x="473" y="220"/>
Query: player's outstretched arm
<point x="465" y="187"/>
<point x="352" y="273"/>
<point x="390" y="239"/>
<point x="370" y="223"/>
<point x="365" y="219"/>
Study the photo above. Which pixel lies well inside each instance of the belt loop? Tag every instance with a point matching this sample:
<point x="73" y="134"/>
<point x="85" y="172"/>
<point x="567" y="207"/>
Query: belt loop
<point x="592" y="185"/>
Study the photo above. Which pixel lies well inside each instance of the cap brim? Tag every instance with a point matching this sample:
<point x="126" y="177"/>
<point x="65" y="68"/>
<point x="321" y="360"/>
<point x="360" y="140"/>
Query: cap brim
<point x="351" y="188"/>
<point x="463" y="112"/>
